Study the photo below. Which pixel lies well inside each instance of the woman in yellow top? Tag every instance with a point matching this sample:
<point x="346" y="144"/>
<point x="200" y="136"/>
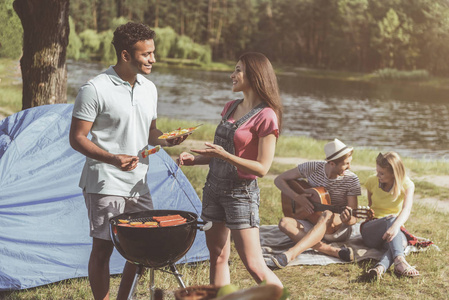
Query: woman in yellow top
<point x="390" y="195"/>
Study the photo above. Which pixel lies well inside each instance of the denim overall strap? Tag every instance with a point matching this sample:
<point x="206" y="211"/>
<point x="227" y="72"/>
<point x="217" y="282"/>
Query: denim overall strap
<point x="221" y="172"/>
<point x="231" y="110"/>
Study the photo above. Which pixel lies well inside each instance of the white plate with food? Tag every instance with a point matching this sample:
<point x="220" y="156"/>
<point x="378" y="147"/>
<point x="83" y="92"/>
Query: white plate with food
<point x="178" y="132"/>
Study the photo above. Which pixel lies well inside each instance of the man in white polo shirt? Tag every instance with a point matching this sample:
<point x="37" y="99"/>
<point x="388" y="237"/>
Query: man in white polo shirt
<point x="119" y="108"/>
<point x="300" y="224"/>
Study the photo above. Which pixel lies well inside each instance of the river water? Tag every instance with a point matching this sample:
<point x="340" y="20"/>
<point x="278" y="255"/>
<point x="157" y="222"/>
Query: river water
<point x="409" y="119"/>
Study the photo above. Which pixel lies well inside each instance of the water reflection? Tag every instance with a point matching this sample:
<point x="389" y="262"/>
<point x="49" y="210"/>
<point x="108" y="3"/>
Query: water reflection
<point x="412" y="120"/>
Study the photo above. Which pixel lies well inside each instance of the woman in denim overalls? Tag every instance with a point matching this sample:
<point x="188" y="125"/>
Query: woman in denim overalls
<point x="243" y="150"/>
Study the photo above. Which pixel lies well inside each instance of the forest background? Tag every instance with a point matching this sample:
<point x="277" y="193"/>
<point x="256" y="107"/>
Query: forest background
<point x="387" y="37"/>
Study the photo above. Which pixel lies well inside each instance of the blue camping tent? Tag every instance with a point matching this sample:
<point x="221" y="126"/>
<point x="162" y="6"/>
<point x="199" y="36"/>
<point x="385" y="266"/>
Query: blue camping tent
<point x="44" y="234"/>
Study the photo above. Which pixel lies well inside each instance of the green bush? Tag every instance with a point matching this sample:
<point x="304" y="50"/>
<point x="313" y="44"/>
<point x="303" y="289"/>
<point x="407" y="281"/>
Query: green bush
<point x="94" y="45"/>
<point x="91" y="43"/>
<point x="171" y="45"/>
<point x="202" y="53"/>
<point x="116" y="22"/>
<point x="11" y="33"/>
<point x="75" y="44"/>
<point x="107" y="50"/>
<point x="186" y="48"/>
<point x="165" y="40"/>
<point x="395" y="74"/>
<point x="183" y="47"/>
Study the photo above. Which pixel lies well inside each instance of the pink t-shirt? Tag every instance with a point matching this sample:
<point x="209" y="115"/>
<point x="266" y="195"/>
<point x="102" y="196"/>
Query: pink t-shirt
<point x="246" y="138"/>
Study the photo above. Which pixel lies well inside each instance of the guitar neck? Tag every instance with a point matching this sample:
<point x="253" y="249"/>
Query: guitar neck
<point x="333" y="208"/>
<point x="360" y="212"/>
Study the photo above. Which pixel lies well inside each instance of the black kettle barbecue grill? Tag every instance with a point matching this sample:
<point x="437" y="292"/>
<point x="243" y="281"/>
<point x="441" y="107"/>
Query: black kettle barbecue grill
<point x="154" y="247"/>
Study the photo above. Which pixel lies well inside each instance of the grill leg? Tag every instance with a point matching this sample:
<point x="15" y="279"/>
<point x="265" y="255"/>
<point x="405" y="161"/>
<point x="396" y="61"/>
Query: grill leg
<point x="136" y="279"/>
<point x="151" y="283"/>
<point x="177" y="275"/>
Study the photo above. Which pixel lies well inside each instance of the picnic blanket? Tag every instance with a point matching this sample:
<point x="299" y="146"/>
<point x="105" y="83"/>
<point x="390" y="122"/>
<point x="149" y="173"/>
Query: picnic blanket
<point x="274" y="241"/>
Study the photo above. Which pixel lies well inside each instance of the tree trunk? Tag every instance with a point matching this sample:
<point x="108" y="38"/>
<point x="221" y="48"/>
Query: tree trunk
<point x="94" y="16"/>
<point x="181" y="18"/>
<point x="45" y="37"/>
<point x="156" y="17"/>
<point x="210" y="19"/>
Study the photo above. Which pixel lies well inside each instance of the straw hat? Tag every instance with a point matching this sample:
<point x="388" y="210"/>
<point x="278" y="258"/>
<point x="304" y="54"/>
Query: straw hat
<point x="336" y="149"/>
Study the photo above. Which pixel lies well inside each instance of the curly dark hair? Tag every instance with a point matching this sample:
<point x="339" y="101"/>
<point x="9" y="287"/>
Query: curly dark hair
<point x="127" y="35"/>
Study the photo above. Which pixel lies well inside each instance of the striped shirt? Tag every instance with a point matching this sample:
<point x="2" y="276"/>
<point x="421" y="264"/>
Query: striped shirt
<point x="339" y="188"/>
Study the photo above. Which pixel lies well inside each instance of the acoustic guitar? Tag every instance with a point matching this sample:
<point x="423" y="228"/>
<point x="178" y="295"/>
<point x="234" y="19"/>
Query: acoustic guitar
<point x="321" y="201"/>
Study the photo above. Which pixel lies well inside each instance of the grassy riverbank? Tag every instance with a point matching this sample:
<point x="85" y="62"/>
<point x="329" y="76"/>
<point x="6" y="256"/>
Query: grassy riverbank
<point x="309" y="148"/>
<point x="303" y="282"/>
<point x="10" y="89"/>
<point x="403" y="77"/>
<point x="431" y="81"/>
<point x="406" y="79"/>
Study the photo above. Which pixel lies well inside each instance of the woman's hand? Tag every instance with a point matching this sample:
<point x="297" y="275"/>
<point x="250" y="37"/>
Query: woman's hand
<point x="212" y="150"/>
<point x="390" y="233"/>
<point x="186" y="159"/>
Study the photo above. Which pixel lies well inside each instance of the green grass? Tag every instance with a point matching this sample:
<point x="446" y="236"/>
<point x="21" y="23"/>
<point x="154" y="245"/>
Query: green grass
<point x="301" y="146"/>
<point x="303" y="282"/>
<point x="428" y="189"/>
<point x="417" y="79"/>
<point x="334" y="281"/>
<point x="309" y="148"/>
<point x="394" y="74"/>
<point x="10" y="88"/>
<point x="278" y="168"/>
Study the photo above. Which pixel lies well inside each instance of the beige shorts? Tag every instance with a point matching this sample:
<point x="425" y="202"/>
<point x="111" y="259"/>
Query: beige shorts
<point x="101" y="208"/>
<point x="341" y="235"/>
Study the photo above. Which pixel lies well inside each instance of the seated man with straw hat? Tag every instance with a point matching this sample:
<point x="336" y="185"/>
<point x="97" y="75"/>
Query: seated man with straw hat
<point x="301" y="223"/>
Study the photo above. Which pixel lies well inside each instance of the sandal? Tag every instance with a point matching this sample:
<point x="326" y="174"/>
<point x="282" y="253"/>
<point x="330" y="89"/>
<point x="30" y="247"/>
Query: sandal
<point x="407" y="270"/>
<point x="375" y="274"/>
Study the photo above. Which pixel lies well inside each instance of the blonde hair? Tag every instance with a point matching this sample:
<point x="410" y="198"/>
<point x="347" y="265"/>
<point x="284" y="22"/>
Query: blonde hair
<point x="392" y="161"/>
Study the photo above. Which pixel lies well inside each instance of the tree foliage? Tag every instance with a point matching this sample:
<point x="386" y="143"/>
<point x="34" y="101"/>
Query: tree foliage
<point x="358" y="35"/>
<point x="11" y="31"/>
<point x="75" y="43"/>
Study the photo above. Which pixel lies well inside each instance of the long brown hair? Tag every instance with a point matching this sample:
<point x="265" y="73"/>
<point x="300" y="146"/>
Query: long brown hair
<point x="263" y="81"/>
